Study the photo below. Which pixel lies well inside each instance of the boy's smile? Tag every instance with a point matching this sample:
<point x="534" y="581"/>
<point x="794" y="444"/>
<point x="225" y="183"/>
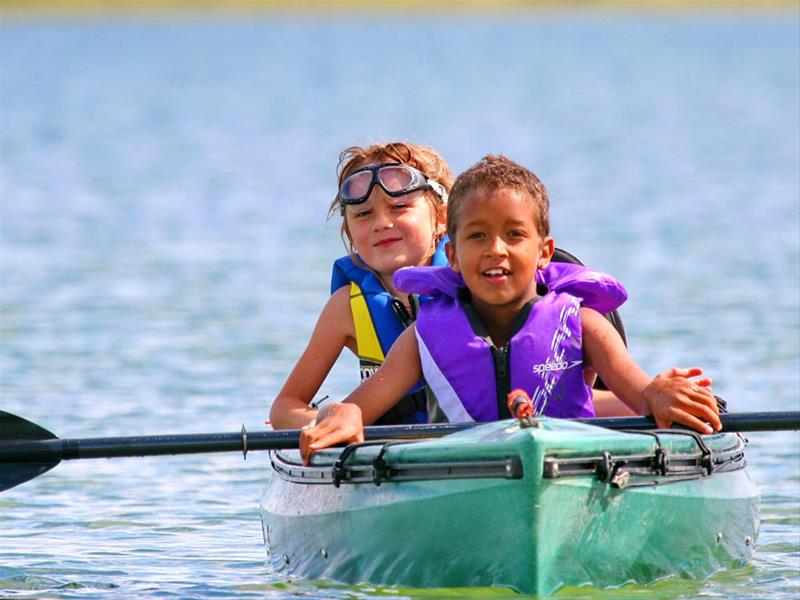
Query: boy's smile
<point x="498" y="249"/>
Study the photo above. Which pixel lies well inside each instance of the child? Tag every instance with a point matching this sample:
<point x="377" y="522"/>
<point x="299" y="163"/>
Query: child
<point x="487" y="331"/>
<point x="392" y="198"/>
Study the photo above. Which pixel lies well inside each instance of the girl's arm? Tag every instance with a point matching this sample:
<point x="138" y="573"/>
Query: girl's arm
<point x="345" y="422"/>
<point x="668" y="398"/>
<point x="334" y="330"/>
<point x="606" y="404"/>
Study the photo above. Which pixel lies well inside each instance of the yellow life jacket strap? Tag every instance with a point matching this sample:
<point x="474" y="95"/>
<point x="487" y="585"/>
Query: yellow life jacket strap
<point x="369" y="348"/>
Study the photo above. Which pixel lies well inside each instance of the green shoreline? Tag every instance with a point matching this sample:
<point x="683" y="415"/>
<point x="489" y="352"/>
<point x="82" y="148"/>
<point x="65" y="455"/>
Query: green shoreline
<point x="31" y="7"/>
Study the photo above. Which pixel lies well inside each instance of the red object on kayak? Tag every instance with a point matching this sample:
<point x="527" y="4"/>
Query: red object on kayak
<point x="519" y="404"/>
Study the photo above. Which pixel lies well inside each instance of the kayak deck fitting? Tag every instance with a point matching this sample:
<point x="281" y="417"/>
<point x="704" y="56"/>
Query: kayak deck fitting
<point x="534" y="509"/>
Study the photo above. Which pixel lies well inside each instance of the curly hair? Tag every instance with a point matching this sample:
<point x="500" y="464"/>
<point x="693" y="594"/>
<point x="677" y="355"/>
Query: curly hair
<point x="424" y="158"/>
<point x="490" y="174"/>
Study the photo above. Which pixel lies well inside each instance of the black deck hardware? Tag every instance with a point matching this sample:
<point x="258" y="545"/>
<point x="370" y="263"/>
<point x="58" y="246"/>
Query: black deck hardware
<point x="380" y="470"/>
<point x="656" y="468"/>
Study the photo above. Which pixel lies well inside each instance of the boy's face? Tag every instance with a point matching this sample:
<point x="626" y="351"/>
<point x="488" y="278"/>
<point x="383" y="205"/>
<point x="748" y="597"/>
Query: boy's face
<point x="497" y="249"/>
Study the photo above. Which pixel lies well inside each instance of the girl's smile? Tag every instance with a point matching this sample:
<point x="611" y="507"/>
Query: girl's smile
<point x="386" y="242"/>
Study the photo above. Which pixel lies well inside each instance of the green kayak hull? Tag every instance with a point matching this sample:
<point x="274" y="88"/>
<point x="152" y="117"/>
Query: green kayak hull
<point x="533" y="509"/>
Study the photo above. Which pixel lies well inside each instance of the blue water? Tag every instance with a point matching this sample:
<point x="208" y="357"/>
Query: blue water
<point x="165" y="251"/>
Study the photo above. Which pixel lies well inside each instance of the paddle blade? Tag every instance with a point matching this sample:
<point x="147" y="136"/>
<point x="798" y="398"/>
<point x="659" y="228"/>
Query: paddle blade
<point x="13" y="474"/>
<point x="14" y="428"/>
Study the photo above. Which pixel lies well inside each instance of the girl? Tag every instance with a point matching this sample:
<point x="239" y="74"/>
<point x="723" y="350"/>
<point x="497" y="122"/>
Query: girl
<point x="393" y="200"/>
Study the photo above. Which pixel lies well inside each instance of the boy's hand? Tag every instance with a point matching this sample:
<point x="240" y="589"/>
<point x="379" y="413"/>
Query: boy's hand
<point x="673" y="397"/>
<point x="336" y="423"/>
<point x="688" y="373"/>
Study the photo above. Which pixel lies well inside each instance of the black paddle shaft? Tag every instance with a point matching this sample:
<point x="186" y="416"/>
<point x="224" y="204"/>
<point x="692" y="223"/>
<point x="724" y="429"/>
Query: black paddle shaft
<point x="24" y="442"/>
<point x="731" y="422"/>
<point x="32" y="448"/>
<point x="28" y="450"/>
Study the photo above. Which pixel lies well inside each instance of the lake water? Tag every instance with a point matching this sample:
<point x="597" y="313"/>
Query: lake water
<point x="165" y="250"/>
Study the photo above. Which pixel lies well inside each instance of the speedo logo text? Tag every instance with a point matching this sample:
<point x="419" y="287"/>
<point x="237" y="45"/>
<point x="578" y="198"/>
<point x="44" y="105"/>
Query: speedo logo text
<point x="555" y="366"/>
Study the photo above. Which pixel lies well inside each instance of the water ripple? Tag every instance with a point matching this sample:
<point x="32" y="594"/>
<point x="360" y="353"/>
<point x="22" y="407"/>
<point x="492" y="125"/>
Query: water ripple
<point x="165" y="251"/>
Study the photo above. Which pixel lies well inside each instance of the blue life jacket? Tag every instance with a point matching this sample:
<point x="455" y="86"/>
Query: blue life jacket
<point x="379" y="319"/>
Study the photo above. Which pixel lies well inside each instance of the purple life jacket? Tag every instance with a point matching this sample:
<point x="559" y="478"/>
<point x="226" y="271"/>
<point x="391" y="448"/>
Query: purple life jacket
<point x="469" y="377"/>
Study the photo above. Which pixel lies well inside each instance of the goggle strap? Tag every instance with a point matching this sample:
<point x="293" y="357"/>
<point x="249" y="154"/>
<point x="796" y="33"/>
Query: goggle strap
<point x="439" y="189"/>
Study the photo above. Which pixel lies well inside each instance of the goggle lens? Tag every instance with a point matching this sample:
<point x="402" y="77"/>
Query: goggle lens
<point x="356" y="186"/>
<point x="398" y="179"/>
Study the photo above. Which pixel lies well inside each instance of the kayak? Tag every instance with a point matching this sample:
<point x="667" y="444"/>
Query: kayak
<point x="530" y="506"/>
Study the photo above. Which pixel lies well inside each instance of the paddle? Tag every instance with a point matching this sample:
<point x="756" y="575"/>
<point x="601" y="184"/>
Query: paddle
<point x="28" y="450"/>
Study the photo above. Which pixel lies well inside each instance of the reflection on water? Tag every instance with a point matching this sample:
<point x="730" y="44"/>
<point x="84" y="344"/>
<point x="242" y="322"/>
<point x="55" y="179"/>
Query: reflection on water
<point x="165" y="250"/>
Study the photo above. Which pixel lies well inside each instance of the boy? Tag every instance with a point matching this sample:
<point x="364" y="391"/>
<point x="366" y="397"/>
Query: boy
<point x="489" y="331"/>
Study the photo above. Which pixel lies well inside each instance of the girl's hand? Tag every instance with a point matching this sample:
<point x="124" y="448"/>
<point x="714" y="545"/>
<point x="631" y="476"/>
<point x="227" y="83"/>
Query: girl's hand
<point x="673" y="397"/>
<point x="336" y="423"/>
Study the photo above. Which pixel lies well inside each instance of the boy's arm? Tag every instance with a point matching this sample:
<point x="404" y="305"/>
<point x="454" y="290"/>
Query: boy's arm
<point x="606" y="404"/>
<point x="668" y="399"/>
<point x="333" y="331"/>
<point x="344" y="422"/>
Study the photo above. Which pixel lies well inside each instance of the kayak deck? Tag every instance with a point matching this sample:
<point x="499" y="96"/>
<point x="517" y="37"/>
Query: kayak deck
<point x="533" y="509"/>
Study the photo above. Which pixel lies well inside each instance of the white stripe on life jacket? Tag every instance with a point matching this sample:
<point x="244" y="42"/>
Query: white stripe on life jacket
<point x="445" y="395"/>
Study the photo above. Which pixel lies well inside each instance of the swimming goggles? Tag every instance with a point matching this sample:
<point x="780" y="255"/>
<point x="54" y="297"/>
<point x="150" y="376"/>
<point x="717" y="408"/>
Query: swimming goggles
<point x="396" y="179"/>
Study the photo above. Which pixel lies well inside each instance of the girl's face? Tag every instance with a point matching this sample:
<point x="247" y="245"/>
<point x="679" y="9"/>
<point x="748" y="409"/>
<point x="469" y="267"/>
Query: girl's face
<point x="497" y="249"/>
<point x="391" y="233"/>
